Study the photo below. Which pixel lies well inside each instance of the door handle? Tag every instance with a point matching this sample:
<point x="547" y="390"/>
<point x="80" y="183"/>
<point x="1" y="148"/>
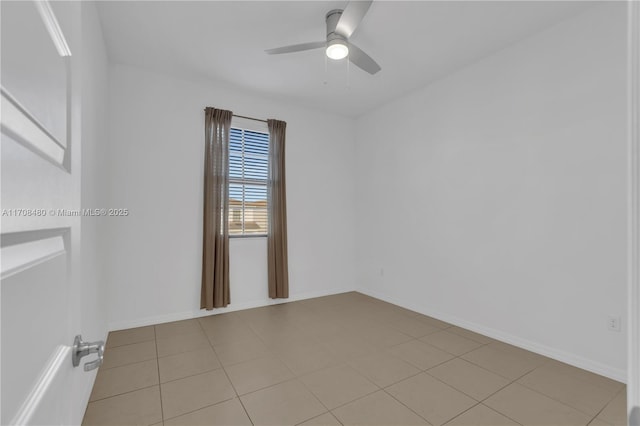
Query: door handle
<point x="82" y="348"/>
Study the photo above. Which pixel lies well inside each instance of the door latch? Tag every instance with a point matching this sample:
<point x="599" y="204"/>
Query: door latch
<point x="82" y="348"/>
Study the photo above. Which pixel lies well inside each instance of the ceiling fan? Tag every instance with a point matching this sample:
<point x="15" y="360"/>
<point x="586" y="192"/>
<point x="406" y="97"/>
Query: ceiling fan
<point x="340" y="26"/>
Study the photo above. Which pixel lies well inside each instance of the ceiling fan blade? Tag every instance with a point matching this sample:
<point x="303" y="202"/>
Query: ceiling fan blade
<point x="362" y="60"/>
<point x="352" y="16"/>
<point x="296" y="48"/>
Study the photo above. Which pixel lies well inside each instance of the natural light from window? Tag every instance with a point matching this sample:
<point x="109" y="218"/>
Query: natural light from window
<point x="248" y="169"/>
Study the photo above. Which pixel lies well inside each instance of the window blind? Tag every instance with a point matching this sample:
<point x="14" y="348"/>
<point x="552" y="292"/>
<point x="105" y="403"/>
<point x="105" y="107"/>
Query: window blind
<point x="248" y="174"/>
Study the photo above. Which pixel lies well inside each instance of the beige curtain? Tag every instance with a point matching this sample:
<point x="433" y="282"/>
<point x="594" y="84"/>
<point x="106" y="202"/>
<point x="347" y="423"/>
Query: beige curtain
<point x="277" y="235"/>
<point x="215" y="244"/>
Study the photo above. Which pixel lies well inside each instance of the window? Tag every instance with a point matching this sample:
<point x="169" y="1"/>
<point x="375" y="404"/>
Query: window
<point x="248" y="168"/>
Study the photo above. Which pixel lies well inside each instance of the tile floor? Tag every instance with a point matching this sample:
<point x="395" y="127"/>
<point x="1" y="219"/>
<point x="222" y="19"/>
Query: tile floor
<point x="345" y="359"/>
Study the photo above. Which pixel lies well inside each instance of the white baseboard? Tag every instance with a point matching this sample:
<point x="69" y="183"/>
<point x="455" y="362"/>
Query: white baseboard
<point x="178" y="316"/>
<point x="617" y="374"/>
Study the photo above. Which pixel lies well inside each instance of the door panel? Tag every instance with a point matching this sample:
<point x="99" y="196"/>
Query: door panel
<point x="39" y="80"/>
<point x="40" y="241"/>
<point x="29" y="304"/>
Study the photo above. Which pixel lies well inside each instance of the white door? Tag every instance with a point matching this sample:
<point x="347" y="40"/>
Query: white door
<point x="40" y="241"/>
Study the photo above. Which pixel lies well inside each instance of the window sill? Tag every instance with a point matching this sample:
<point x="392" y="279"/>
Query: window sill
<point x="248" y="236"/>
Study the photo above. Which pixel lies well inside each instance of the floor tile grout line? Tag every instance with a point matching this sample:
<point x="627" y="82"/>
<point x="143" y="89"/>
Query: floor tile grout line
<point x="461" y="413"/>
<point x="495" y="392"/>
<point x="499" y="412"/>
<point x="188" y="376"/>
<point x="229" y="378"/>
<point x="509" y="381"/>
<point x="433" y="366"/>
<point x="477" y="341"/>
<point x="128" y="364"/>
<point x="463" y="392"/>
<point x="587" y="381"/>
<point x="199" y="348"/>
<point x="558" y="400"/>
<point x="535" y="391"/>
<point x="202" y="408"/>
<point x="172" y="333"/>
<point x="494" y="372"/>
<point x="270" y="355"/>
<point x="443" y="350"/>
<point x="393" y="383"/>
<point x="129" y="344"/>
<point x="402" y="380"/>
<point x="407" y="407"/>
<point x="124" y="393"/>
<point x="600" y="412"/>
<point x="471" y="408"/>
<point x="188" y="351"/>
<point x="155" y="341"/>
<point x="255" y="359"/>
<point x="353" y="400"/>
<point x="267" y="387"/>
<point x="512" y="381"/>
<point x="129" y="391"/>
<point x="319" y="400"/>
<point x="446" y="330"/>
<point x="607" y="404"/>
<point x="449" y="352"/>
<point x="453" y="387"/>
<point x="191" y="333"/>
<point x="319" y="415"/>
<point x="460" y="357"/>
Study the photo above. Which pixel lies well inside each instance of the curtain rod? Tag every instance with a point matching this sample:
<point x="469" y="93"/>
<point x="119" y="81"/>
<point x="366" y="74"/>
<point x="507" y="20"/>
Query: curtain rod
<point x="248" y="118"/>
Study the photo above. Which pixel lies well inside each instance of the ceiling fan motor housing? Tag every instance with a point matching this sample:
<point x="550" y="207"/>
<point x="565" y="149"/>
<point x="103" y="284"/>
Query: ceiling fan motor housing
<point x="332" y="18"/>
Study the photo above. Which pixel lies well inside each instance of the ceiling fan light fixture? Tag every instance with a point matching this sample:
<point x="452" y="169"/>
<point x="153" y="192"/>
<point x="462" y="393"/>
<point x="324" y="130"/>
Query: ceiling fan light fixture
<point x="337" y="49"/>
<point x="340" y="23"/>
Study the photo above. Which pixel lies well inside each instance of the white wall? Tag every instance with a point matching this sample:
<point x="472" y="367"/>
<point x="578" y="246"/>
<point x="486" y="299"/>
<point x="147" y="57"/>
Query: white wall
<point x="94" y="94"/>
<point x="495" y="198"/>
<point x="156" y="137"/>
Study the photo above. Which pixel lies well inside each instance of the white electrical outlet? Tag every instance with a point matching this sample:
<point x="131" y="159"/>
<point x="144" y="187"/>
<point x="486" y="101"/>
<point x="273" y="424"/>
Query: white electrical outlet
<point x="613" y="323"/>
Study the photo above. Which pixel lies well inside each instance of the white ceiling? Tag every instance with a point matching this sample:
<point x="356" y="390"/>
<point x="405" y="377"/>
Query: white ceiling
<point x="414" y="42"/>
